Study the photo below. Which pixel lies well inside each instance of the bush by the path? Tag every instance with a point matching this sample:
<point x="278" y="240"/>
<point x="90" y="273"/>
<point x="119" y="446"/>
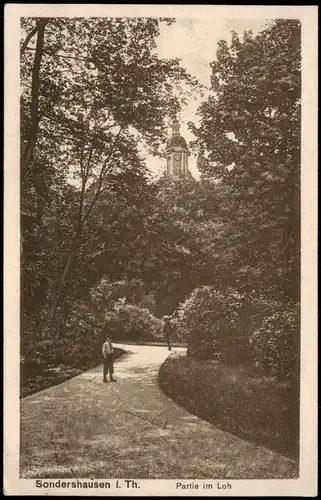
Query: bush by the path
<point x="218" y="323"/>
<point x="242" y="329"/>
<point x="236" y="400"/>
<point x="127" y="322"/>
<point x="276" y="344"/>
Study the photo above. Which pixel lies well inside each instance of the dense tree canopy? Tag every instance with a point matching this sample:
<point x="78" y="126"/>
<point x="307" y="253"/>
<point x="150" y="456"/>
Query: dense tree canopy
<point x="249" y="139"/>
<point x="102" y="242"/>
<point x="92" y="90"/>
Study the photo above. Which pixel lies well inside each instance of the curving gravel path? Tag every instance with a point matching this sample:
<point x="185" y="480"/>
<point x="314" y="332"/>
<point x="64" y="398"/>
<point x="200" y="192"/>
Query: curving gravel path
<point x="84" y="428"/>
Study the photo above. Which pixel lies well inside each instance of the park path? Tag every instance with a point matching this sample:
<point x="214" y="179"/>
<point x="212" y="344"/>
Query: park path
<point x="84" y="428"/>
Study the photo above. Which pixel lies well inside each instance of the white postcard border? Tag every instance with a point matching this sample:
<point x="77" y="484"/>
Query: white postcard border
<point x="306" y="485"/>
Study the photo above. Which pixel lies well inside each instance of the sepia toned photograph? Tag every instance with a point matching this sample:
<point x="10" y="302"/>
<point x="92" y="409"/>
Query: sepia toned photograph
<point x="160" y="240"/>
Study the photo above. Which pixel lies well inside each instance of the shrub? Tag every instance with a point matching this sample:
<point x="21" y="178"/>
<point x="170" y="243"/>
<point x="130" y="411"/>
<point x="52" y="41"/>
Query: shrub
<point x="276" y="343"/>
<point x="30" y="336"/>
<point x="78" y="343"/>
<point x="132" y="323"/>
<point x="218" y="324"/>
<point x="105" y="294"/>
<point x="179" y="330"/>
<point x="37" y="341"/>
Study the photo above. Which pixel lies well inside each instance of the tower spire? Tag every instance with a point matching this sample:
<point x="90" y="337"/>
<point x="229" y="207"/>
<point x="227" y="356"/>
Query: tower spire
<point x="177" y="153"/>
<point x="175" y="127"/>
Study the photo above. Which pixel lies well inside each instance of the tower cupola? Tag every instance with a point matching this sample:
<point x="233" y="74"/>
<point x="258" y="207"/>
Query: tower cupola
<point x="175" y="127"/>
<point x="177" y="153"/>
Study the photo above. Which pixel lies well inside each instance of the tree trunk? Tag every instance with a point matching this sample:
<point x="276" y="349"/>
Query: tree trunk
<point x="66" y="271"/>
<point x="62" y="282"/>
<point x="33" y="127"/>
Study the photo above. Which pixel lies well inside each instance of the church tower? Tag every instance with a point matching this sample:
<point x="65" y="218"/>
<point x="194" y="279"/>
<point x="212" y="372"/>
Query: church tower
<point x="177" y="154"/>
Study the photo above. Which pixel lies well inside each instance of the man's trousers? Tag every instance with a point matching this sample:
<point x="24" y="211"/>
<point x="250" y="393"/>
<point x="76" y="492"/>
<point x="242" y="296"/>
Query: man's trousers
<point x="108" y="366"/>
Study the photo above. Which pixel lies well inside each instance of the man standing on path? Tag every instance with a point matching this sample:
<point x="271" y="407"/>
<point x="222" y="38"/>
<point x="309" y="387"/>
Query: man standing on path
<point x="108" y="354"/>
<point x="168" y="332"/>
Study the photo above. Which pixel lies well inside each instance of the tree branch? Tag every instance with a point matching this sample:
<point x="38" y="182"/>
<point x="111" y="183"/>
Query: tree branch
<point x="288" y="241"/>
<point x="85" y="174"/>
<point x="59" y="55"/>
<point x="27" y="40"/>
<point x="100" y="178"/>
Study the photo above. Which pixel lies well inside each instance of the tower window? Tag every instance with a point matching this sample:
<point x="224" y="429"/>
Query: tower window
<point x="175" y="127"/>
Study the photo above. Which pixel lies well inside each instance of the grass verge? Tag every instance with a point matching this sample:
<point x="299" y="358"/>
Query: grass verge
<point x="236" y="400"/>
<point x="35" y="377"/>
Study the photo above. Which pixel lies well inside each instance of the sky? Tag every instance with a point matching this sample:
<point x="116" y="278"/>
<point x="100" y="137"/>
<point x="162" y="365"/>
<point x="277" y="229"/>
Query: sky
<point x="194" y="41"/>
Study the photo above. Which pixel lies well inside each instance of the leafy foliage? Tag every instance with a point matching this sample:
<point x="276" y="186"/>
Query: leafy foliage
<point x="219" y="323"/>
<point x="276" y="344"/>
<point x="132" y="323"/>
<point x="102" y="245"/>
<point x="249" y="140"/>
<point x="93" y="91"/>
<point x="106" y="294"/>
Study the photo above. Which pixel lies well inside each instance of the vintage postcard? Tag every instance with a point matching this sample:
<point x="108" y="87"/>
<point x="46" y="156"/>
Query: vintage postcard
<point x="160" y="250"/>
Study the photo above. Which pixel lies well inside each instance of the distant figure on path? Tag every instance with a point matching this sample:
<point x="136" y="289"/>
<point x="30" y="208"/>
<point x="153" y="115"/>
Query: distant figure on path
<point x="168" y="332"/>
<point x="108" y="354"/>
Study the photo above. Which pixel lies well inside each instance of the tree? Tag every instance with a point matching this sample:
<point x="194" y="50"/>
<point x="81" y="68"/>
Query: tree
<point x="100" y="91"/>
<point x="249" y="140"/>
<point x="167" y="234"/>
